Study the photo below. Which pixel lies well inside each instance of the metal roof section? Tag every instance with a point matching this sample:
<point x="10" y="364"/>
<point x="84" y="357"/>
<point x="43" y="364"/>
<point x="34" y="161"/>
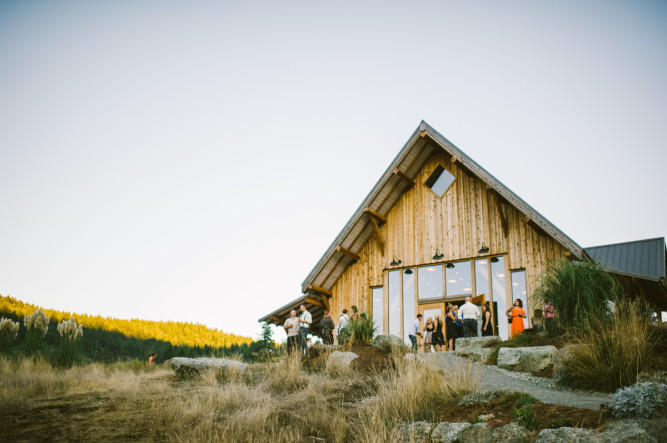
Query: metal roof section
<point x="642" y="258"/>
<point x="389" y="189"/>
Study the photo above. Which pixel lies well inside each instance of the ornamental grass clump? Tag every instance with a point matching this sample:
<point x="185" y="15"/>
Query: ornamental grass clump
<point x="580" y="293"/>
<point x="362" y="330"/>
<point x="36" y="326"/>
<point x="69" y="332"/>
<point x="9" y="330"/>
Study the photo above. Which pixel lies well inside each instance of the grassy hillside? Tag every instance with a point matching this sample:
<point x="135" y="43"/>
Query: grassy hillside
<point x="110" y="340"/>
<point x="176" y="333"/>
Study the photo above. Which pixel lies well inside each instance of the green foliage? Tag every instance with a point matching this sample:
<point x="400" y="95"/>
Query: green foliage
<point x="559" y="422"/>
<point x="9" y="330"/>
<point x="517" y="399"/>
<point x="580" y="293"/>
<point x="362" y="330"/>
<point x="526" y="417"/>
<point x="476" y="418"/>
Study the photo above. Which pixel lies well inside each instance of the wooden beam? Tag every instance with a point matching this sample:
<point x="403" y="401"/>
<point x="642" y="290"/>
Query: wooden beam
<point x="378" y="235"/>
<point x="325" y="300"/>
<point x="526" y="219"/>
<point x="277" y="320"/>
<point x="320" y="290"/>
<point x="423" y="134"/>
<point x="347" y="253"/>
<point x="376" y="214"/>
<point x="404" y="177"/>
<point x="503" y="220"/>
<point x="454" y="159"/>
<point x="312" y="301"/>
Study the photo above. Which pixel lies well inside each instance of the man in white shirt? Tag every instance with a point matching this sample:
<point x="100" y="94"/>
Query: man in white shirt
<point x="342" y="333"/>
<point x="469" y="314"/>
<point x="414" y="331"/>
<point x="305" y="319"/>
<point x="292" y="328"/>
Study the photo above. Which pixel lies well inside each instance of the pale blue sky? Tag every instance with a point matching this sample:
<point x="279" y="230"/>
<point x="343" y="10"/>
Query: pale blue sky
<point x="180" y="161"/>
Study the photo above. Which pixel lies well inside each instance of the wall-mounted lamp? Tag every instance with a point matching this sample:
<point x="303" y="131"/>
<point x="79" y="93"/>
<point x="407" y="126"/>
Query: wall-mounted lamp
<point x="438" y="255"/>
<point x="449" y="266"/>
<point x="395" y="262"/>
<point x="494" y="260"/>
<point x="408" y="271"/>
<point x="484" y="250"/>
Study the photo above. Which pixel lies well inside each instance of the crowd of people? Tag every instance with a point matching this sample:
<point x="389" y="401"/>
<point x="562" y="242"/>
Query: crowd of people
<point x="436" y="335"/>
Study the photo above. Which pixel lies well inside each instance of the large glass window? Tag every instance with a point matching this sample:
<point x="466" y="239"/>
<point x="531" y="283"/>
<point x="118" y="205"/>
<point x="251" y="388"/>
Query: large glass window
<point x="459" y="279"/>
<point x="378" y="310"/>
<point x="519" y="291"/>
<point x="395" y="303"/>
<point x="499" y="295"/>
<point x="440" y="180"/>
<point x="408" y="302"/>
<point x="430" y="282"/>
<point x="482" y="277"/>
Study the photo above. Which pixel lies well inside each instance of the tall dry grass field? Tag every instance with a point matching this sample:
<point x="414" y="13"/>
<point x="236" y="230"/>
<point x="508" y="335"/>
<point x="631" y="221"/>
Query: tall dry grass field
<point x="280" y="402"/>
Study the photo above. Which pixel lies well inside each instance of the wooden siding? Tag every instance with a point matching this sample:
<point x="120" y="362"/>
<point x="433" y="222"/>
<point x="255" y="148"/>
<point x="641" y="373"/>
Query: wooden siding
<point x="456" y="224"/>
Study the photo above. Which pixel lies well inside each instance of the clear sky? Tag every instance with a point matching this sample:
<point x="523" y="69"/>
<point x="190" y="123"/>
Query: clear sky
<point x="191" y="161"/>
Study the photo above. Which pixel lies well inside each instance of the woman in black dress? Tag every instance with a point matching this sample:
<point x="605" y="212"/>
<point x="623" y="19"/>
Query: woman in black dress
<point x="487" y="326"/>
<point x="450" y="326"/>
<point x="438" y="339"/>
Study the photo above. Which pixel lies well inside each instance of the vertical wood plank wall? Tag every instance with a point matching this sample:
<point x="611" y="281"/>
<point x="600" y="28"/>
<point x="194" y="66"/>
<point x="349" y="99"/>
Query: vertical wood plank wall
<point x="456" y="224"/>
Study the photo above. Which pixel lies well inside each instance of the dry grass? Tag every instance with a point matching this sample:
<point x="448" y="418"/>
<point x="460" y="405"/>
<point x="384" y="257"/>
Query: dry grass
<point x="280" y="402"/>
<point x="613" y="351"/>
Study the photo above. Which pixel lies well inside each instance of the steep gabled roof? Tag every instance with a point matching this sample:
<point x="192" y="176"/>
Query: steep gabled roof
<point x="393" y="184"/>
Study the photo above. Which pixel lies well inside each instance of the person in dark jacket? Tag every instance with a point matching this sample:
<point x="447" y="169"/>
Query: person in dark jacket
<point x="327" y="327"/>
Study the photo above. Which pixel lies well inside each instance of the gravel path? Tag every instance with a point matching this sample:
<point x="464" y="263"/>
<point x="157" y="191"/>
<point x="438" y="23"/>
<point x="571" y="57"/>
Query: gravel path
<point x="543" y="389"/>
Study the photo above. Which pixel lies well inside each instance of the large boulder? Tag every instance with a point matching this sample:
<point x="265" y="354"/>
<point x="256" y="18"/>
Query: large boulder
<point x="570" y="435"/>
<point x="448" y="432"/>
<point x="340" y="360"/>
<point x="530" y="359"/>
<point x="191" y="367"/>
<point x="477" y="433"/>
<point x="387" y="343"/>
<point x="625" y="431"/>
<point x="511" y="433"/>
<point x="419" y="431"/>
<point x="475" y="348"/>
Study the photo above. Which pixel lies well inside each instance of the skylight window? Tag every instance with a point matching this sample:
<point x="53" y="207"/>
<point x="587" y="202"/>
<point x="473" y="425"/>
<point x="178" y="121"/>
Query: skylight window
<point x="440" y="180"/>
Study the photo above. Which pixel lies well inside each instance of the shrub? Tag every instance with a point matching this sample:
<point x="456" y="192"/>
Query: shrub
<point x="643" y="400"/>
<point x="69" y="332"/>
<point x="8" y="331"/>
<point x="580" y="293"/>
<point x="526" y="417"/>
<point x="559" y="422"/>
<point x="362" y="330"/>
<point x="613" y="351"/>
<point x="36" y="326"/>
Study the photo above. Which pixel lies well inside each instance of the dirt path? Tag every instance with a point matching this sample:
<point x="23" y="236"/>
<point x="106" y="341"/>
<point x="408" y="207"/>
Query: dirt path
<point x="545" y="390"/>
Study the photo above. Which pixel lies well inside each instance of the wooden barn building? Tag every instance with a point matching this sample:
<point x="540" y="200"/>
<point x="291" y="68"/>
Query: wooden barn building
<point x="438" y="227"/>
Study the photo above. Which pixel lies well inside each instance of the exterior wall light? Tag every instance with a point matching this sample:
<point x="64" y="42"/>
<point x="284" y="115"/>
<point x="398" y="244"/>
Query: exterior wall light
<point x="484" y="250"/>
<point x="395" y="262"/>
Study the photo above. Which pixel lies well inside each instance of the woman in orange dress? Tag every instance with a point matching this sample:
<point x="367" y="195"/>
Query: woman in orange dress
<point x="517" y="314"/>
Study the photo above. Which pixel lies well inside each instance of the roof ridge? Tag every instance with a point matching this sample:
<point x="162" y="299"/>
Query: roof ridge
<point x="627" y="242"/>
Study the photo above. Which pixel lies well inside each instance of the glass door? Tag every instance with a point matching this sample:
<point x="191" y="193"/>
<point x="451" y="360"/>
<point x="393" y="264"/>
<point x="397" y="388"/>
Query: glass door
<point x="431" y="310"/>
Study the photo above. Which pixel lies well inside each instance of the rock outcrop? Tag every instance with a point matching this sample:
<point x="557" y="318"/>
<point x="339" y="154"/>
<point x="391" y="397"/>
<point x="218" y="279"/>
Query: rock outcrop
<point x="475" y="348"/>
<point x="530" y="359"/>
<point x="192" y="367"/>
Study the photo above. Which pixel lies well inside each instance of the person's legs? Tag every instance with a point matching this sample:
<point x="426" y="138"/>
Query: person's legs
<point x="473" y="328"/>
<point x="303" y="339"/>
<point x="466" y="328"/>
<point x="413" y="340"/>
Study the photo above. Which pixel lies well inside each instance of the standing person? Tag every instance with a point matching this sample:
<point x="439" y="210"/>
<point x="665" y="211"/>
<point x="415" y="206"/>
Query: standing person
<point x="459" y="322"/>
<point x="342" y="330"/>
<point x="327" y="327"/>
<point x="355" y="313"/>
<point x="549" y="313"/>
<point x="517" y="314"/>
<point x="305" y="319"/>
<point x="415" y="331"/>
<point x="428" y="334"/>
<point x="469" y="313"/>
<point x="450" y="326"/>
<point x="438" y="339"/>
<point x="151" y="359"/>
<point x="292" y="328"/>
<point x="487" y="325"/>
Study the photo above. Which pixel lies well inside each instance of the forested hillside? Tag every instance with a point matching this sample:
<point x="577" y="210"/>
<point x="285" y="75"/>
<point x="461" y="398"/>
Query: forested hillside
<point x="174" y="333"/>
